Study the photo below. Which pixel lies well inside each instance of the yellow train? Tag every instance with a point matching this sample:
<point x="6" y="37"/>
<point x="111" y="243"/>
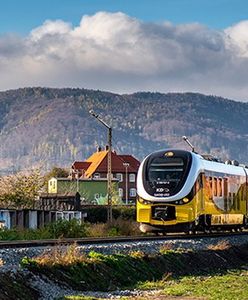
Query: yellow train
<point x="184" y="191"/>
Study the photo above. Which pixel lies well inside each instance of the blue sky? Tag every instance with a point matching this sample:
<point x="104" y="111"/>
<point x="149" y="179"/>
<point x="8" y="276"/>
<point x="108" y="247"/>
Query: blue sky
<point x="20" y="16"/>
<point x="125" y="46"/>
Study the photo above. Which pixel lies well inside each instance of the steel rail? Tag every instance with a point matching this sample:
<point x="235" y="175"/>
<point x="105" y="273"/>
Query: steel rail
<point x="112" y="240"/>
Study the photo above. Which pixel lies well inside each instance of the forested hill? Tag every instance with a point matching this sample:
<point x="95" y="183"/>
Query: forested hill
<point x="46" y="127"/>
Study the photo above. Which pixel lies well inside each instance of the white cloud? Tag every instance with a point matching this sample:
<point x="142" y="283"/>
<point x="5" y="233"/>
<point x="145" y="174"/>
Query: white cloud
<point x="237" y="38"/>
<point x="115" y="52"/>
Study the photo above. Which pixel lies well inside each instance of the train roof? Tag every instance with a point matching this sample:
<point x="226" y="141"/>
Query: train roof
<point x="214" y="165"/>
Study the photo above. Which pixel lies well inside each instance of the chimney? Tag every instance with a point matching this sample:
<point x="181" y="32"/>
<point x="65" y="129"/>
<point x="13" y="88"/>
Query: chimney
<point x="106" y="147"/>
<point x="99" y="148"/>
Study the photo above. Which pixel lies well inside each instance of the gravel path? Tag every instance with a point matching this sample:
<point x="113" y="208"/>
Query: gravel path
<point x="50" y="290"/>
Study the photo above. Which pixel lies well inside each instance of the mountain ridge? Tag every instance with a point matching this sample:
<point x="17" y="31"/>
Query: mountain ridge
<point x="44" y="127"/>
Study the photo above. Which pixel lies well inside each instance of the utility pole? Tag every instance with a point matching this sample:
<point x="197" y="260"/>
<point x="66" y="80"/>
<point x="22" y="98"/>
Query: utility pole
<point x="77" y="181"/>
<point x="126" y="165"/>
<point x="109" y="171"/>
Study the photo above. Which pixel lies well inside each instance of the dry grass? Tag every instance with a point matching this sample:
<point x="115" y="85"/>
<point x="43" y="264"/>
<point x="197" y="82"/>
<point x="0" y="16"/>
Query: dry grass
<point x="119" y="227"/>
<point x="137" y="254"/>
<point x="61" y="255"/>
<point x="1" y="262"/>
<point x="222" y="245"/>
<point x="98" y="230"/>
<point x="166" y="247"/>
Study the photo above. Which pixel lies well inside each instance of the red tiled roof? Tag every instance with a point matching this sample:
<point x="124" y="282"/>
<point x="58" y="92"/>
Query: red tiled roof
<point x="117" y="164"/>
<point x="80" y="165"/>
<point x="131" y="160"/>
<point x="98" y="162"/>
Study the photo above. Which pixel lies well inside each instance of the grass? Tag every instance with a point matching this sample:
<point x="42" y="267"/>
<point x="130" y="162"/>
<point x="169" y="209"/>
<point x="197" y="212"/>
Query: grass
<point x="232" y="285"/>
<point x="229" y="286"/>
<point x="119" y="227"/>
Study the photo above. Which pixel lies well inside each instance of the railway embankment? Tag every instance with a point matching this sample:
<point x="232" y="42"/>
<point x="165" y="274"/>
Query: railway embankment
<point x="69" y="272"/>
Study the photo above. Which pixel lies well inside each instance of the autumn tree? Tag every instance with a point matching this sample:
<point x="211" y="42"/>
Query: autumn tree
<point x="21" y="189"/>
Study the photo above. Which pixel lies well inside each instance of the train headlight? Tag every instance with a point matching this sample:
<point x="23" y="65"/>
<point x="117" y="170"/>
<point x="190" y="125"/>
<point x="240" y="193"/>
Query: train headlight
<point x="185" y="200"/>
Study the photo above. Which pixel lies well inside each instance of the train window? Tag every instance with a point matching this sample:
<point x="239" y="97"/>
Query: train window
<point x="211" y="185"/>
<point x="215" y="186"/>
<point x="220" y="187"/>
<point x="200" y="178"/>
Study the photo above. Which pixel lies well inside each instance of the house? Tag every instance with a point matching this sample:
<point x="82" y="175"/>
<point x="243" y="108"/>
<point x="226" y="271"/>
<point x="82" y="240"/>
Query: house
<point x="91" y="190"/>
<point x="124" y="168"/>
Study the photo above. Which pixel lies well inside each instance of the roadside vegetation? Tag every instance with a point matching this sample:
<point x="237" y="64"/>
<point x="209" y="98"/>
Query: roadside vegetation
<point x="72" y="229"/>
<point x="208" y="274"/>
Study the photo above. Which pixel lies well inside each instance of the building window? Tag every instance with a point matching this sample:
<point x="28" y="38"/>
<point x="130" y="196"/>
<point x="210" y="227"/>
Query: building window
<point x="131" y="177"/>
<point x="120" y="192"/>
<point x="59" y="215"/>
<point x="96" y="176"/>
<point x="119" y="176"/>
<point x="112" y="176"/>
<point x="132" y="192"/>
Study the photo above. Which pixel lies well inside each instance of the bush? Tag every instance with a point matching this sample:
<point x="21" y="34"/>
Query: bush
<point x="99" y="214"/>
<point x="58" y="229"/>
<point x="67" y="229"/>
<point x="118" y="227"/>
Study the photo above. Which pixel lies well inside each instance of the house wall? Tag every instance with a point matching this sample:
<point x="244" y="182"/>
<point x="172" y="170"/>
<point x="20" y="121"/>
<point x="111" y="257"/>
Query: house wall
<point x="122" y="184"/>
<point x="91" y="191"/>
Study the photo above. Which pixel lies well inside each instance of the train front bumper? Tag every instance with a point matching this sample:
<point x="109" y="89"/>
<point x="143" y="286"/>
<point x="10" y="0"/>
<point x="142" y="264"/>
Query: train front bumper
<point x="164" y="214"/>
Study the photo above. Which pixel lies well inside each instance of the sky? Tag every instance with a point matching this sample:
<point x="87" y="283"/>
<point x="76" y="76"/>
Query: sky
<point x="126" y="46"/>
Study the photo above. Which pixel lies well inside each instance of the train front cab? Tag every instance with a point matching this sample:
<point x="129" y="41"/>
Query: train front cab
<point x="163" y="176"/>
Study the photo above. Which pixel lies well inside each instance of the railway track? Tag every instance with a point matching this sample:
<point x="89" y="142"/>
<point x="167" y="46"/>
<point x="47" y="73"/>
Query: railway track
<point x="112" y="240"/>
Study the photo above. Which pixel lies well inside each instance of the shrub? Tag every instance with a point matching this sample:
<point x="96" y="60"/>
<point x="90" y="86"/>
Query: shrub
<point x="59" y="255"/>
<point x="99" y="214"/>
<point x="67" y="229"/>
<point x="98" y="230"/>
<point x="58" y="229"/>
<point x="123" y="227"/>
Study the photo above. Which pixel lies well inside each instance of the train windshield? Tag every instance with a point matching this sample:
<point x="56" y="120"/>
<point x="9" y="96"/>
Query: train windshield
<point x="165" y="175"/>
<point x="162" y="171"/>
